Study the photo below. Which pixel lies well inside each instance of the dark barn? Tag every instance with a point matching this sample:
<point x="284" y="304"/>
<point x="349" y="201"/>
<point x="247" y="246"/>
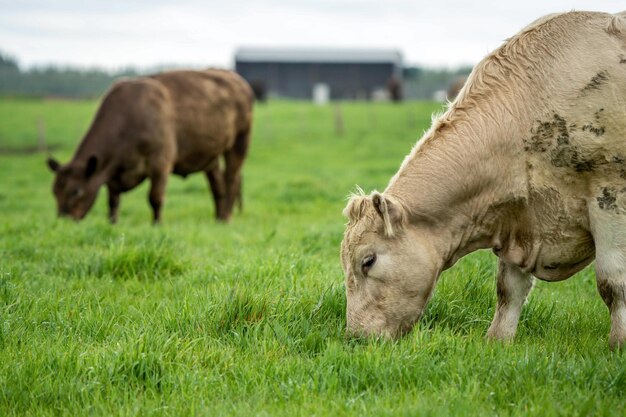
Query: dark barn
<point x="342" y="73"/>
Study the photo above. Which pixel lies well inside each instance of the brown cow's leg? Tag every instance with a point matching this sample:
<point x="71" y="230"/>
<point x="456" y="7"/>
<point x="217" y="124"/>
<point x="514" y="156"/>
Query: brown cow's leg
<point x="239" y="198"/>
<point x="216" y="182"/>
<point x="609" y="235"/>
<point x="232" y="174"/>
<point x="114" y="204"/>
<point x="158" y="181"/>
<point x="513" y="287"/>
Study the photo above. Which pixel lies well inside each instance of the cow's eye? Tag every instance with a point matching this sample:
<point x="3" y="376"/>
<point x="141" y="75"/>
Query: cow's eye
<point x="367" y="263"/>
<point x="76" y="193"/>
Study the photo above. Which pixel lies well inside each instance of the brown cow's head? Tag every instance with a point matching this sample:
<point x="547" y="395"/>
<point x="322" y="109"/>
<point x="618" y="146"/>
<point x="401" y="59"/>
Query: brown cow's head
<point x="390" y="268"/>
<point x="75" y="187"/>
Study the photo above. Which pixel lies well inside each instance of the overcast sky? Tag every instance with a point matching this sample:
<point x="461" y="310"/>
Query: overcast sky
<point x="143" y="33"/>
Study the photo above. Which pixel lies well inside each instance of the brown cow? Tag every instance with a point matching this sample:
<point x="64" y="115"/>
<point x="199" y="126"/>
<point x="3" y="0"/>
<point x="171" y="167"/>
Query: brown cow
<point x="149" y="127"/>
<point x="530" y="161"/>
<point x="455" y="87"/>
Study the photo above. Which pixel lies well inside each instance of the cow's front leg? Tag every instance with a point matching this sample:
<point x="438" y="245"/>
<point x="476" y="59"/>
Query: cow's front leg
<point x="513" y="287"/>
<point x="609" y="235"/>
<point x="114" y="204"/>
<point x="613" y="293"/>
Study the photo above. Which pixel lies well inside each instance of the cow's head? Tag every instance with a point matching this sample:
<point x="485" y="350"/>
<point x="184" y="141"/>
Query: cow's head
<point x="390" y="266"/>
<point x="75" y="187"/>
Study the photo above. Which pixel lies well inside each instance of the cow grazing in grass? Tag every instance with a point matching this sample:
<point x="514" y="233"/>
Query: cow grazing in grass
<point x="148" y="127"/>
<point x="530" y="160"/>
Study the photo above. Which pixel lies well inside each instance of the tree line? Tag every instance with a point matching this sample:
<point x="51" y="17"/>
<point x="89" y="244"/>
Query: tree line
<point x="55" y="81"/>
<point x="67" y="82"/>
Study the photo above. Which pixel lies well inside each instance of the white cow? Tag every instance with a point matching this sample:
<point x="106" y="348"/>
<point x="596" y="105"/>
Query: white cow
<point x="529" y="161"/>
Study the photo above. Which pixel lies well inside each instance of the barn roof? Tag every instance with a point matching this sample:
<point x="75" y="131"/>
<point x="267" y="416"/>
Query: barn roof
<point x="307" y="55"/>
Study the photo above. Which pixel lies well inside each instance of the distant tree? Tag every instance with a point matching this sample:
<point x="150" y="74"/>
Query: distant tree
<point x="8" y="63"/>
<point x="56" y="81"/>
<point x="464" y="70"/>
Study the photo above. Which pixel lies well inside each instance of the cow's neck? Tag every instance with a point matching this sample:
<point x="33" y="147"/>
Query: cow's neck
<point x="467" y="184"/>
<point x="94" y="145"/>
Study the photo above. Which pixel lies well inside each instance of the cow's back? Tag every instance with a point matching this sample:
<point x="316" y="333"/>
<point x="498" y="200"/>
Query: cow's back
<point x="211" y="108"/>
<point x="574" y="145"/>
<point x="575" y="141"/>
<point x="135" y="119"/>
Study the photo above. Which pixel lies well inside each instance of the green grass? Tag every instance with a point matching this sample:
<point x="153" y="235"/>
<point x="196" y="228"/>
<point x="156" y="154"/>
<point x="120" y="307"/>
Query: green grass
<point x="198" y="318"/>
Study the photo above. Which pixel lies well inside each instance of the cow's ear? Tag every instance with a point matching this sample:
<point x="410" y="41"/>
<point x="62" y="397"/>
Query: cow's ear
<point x="92" y="165"/>
<point x="53" y="164"/>
<point x="389" y="211"/>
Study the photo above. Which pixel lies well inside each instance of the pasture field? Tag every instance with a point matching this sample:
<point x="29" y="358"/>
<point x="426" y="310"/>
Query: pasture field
<point x="247" y="319"/>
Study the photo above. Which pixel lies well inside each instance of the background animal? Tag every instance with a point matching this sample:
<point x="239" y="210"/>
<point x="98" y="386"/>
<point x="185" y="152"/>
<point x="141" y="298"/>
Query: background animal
<point x="528" y="161"/>
<point x="455" y="87"/>
<point x="177" y="122"/>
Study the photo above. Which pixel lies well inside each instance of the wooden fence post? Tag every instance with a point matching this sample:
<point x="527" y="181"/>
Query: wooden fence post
<point x="41" y="134"/>
<point x="339" y="127"/>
